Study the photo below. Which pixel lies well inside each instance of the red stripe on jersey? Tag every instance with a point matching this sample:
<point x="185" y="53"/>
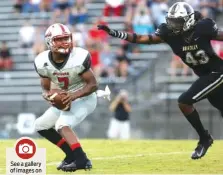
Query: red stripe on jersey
<point x="62" y="28"/>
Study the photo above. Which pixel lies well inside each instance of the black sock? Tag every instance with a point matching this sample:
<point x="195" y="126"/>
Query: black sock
<point x="78" y="151"/>
<point x="195" y="121"/>
<point x="54" y="137"/>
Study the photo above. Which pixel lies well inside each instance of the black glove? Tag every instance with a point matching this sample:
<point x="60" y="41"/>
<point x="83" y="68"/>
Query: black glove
<point x="112" y="32"/>
<point x="104" y="27"/>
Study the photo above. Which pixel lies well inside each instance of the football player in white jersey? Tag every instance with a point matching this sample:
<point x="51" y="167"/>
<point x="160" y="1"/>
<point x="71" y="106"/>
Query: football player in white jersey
<point x="70" y="69"/>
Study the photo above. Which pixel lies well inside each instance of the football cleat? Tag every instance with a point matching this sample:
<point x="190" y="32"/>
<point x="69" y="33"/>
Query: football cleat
<point x="202" y="147"/>
<point x="74" y="165"/>
<point x="66" y="161"/>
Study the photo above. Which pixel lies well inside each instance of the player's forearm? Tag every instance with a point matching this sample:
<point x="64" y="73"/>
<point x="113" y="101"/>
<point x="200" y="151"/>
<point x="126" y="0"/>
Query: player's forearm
<point x="45" y="84"/>
<point x="135" y="38"/>
<point x="86" y="90"/>
<point x="123" y="35"/>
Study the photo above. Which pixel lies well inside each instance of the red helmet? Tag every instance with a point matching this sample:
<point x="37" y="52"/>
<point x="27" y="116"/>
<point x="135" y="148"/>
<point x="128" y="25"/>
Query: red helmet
<point x="58" y="38"/>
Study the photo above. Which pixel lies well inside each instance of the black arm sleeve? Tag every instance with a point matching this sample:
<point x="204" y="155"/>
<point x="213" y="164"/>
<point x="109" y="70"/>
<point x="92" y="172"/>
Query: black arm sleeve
<point x="86" y="64"/>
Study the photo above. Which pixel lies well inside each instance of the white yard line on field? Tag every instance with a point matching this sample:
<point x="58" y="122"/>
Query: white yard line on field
<point x="128" y="156"/>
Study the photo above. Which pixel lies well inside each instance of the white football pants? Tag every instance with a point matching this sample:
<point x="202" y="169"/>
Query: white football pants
<point x="79" y="110"/>
<point x="119" y="129"/>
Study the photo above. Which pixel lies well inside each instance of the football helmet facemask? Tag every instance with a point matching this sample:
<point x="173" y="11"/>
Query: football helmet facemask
<point x="180" y="17"/>
<point x="58" y="39"/>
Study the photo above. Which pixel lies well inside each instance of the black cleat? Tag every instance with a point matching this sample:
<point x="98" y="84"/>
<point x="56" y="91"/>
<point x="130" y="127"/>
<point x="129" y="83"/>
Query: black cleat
<point x="59" y="167"/>
<point x="88" y="165"/>
<point x="69" y="167"/>
<point x="64" y="162"/>
<point x="202" y="147"/>
<point x="73" y="166"/>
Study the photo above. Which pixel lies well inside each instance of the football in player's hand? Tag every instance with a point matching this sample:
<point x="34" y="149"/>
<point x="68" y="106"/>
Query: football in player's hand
<point x="56" y="96"/>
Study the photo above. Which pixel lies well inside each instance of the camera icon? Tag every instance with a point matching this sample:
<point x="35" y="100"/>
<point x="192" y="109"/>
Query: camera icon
<point x="25" y="149"/>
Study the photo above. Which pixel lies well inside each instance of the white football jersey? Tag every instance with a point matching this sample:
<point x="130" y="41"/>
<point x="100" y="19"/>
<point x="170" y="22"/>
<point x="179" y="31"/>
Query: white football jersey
<point x="66" y="75"/>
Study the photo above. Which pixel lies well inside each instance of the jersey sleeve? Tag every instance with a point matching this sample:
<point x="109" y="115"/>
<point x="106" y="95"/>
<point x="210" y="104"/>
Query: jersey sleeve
<point x="40" y="67"/>
<point x="208" y="28"/>
<point x="162" y="31"/>
<point x="41" y="72"/>
<point x="86" y="65"/>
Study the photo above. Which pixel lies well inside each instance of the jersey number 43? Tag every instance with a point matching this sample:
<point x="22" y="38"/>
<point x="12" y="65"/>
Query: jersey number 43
<point x="200" y="57"/>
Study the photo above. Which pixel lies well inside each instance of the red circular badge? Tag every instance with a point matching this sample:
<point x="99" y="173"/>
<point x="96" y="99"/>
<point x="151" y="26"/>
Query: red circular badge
<point x="25" y="148"/>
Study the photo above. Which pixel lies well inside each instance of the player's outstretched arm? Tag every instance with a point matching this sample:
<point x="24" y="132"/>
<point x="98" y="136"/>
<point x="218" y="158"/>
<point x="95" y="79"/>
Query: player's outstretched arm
<point x="132" y="37"/>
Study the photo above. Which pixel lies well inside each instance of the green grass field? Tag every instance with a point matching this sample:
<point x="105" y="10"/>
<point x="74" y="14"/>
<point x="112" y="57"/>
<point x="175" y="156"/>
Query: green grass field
<point x="135" y="157"/>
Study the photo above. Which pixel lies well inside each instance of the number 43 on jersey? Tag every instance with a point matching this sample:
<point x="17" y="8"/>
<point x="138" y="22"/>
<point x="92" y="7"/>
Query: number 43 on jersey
<point x="200" y="57"/>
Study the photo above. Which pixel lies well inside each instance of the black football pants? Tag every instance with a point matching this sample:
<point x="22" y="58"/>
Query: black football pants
<point x="209" y="86"/>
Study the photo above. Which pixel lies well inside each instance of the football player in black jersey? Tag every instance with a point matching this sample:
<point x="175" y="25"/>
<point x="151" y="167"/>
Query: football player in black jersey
<point x="189" y="36"/>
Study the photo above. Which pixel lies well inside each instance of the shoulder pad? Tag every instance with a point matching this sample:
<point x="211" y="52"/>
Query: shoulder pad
<point x="207" y="27"/>
<point x="41" y="58"/>
<point x="40" y="63"/>
<point x="79" y="55"/>
<point x="86" y="64"/>
<point x="82" y="59"/>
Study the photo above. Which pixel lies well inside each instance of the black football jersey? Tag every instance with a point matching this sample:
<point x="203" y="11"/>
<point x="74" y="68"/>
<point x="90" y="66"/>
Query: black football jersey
<point x="194" y="46"/>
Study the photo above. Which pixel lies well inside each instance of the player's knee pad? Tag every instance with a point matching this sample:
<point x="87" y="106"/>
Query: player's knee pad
<point x="185" y="99"/>
<point x="59" y="126"/>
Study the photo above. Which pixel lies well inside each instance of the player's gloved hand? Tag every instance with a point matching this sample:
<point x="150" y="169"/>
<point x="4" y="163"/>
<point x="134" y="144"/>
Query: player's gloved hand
<point x="112" y="32"/>
<point x="104" y="27"/>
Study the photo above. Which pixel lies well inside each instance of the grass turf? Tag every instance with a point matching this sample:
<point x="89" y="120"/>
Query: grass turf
<point x="135" y="157"/>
